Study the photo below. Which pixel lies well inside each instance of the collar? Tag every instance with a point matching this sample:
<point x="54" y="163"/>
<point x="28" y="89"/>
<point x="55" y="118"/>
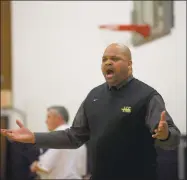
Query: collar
<point x="62" y="127"/>
<point x="123" y="83"/>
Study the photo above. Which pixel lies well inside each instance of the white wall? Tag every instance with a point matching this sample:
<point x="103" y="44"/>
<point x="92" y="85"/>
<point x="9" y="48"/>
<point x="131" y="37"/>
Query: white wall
<point x="57" y="49"/>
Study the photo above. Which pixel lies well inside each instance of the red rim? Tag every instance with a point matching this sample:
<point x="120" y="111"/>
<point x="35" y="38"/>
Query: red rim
<point x="144" y="30"/>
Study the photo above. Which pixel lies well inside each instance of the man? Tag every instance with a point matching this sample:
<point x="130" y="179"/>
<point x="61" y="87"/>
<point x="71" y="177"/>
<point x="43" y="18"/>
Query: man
<point x="58" y="163"/>
<point x="123" y="118"/>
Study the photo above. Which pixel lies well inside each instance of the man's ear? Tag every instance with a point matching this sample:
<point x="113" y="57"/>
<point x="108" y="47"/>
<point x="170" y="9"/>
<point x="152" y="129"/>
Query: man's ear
<point x="130" y="63"/>
<point x="129" y="68"/>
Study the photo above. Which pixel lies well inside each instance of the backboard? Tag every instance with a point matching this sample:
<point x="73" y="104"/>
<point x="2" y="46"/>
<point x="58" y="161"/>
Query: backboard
<point x="157" y="14"/>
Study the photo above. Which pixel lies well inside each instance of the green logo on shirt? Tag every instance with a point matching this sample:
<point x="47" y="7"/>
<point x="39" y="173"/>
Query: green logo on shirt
<point x="126" y="109"/>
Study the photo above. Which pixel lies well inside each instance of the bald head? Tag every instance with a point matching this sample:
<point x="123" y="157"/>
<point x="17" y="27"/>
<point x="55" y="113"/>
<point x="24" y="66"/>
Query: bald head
<point x="124" y="49"/>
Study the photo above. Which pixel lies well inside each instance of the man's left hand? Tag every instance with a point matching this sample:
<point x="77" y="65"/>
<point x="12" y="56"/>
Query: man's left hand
<point x="162" y="131"/>
<point x="34" y="167"/>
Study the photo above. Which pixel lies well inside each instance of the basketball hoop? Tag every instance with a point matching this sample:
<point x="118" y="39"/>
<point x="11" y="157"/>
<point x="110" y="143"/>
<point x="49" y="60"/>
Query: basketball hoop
<point x="142" y="30"/>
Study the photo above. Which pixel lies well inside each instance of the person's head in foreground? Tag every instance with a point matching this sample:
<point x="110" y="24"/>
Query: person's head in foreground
<point x="116" y="63"/>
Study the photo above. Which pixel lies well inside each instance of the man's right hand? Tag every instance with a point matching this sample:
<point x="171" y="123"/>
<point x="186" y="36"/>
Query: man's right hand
<point x="22" y="134"/>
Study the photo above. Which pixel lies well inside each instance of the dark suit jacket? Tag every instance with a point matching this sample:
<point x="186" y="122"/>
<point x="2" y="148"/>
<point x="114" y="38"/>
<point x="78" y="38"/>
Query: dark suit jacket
<point x="20" y="157"/>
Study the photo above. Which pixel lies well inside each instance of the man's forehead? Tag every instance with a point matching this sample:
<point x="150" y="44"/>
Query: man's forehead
<point x="112" y="51"/>
<point x="117" y="50"/>
<point x="51" y="112"/>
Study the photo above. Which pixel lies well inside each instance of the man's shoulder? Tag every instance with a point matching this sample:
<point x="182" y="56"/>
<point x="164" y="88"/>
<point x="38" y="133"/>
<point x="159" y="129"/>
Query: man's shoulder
<point x="98" y="89"/>
<point x="63" y="127"/>
<point x="145" y="88"/>
<point x="143" y="84"/>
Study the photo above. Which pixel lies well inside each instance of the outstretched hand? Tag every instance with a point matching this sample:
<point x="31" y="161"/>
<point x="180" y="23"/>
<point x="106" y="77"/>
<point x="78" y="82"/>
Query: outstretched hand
<point x="22" y="134"/>
<point x="162" y="131"/>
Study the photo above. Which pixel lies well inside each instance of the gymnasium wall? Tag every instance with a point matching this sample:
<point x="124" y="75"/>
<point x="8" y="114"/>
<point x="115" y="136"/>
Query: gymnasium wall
<point x="57" y="49"/>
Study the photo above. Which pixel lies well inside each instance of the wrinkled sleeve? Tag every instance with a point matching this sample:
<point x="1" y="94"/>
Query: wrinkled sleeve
<point x="155" y="108"/>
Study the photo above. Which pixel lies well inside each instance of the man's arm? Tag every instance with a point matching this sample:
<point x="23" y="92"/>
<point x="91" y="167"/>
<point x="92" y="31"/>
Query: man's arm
<point x="155" y="108"/>
<point x="70" y="138"/>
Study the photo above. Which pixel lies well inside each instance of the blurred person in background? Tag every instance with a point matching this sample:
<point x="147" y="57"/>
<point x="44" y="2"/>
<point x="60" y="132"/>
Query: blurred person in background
<point x="58" y="163"/>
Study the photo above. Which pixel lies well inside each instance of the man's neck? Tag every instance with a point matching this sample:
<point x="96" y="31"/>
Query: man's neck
<point x="122" y="83"/>
<point x="59" y="125"/>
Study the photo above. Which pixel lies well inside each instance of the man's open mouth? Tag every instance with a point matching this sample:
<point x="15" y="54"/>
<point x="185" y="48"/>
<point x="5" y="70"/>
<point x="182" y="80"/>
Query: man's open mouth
<point x="109" y="73"/>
